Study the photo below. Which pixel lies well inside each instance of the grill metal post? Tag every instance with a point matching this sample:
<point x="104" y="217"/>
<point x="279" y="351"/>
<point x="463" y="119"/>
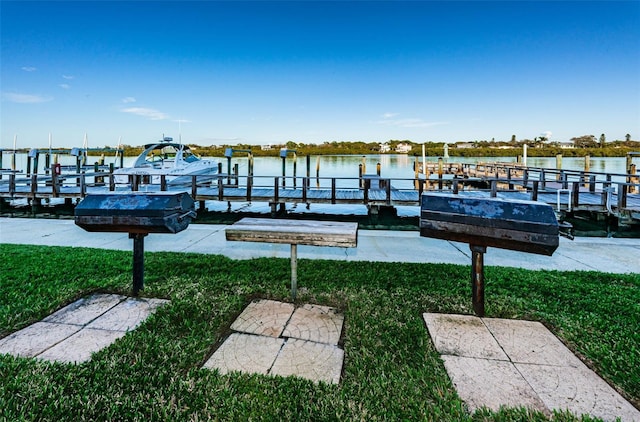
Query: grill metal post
<point x="138" y="261"/>
<point x="137" y="214"/>
<point x="477" y="278"/>
<point x="524" y="226"/>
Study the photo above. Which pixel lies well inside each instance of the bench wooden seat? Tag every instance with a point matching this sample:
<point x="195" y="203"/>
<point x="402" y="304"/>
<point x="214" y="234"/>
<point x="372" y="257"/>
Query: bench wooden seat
<point x="294" y="232"/>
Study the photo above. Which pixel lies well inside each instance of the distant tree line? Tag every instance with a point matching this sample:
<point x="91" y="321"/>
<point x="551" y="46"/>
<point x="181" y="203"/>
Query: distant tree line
<point x="538" y="147"/>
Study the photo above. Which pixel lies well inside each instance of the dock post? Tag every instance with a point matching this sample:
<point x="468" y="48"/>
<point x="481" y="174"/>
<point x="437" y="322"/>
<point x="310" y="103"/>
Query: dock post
<point x="284" y="164"/>
<point x="587" y="169"/>
<point x="633" y="178"/>
<point x="35" y="162"/>
<point x="295" y="168"/>
<point x="558" y="166"/>
<point x="440" y="173"/>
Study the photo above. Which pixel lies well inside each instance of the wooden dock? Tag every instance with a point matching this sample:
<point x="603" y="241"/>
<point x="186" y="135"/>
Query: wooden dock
<point x="566" y="190"/>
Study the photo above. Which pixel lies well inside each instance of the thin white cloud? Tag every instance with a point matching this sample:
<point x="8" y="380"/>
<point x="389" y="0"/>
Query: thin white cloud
<point x="28" y="68"/>
<point x="15" y="97"/>
<point x="64" y="86"/>
<point x="68" y="77"/>
<point x="128" y="100"/>
<point x="149" y="113"/>
<point x="410" y="123"/>
<point x="389" y="115"/>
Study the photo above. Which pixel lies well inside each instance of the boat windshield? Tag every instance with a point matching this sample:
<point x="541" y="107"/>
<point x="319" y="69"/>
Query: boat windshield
<point x="163" y="153"/>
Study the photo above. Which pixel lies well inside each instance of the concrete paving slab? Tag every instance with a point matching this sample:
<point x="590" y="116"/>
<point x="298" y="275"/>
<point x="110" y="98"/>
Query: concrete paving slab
<point x="85" y="310"/>
<point x="530" y="342"/>
<point x="491" y="383"/>
<point x="462" y="335"/>
<point x="81" y="328"/>
<point x="579" y="390"/>
<point x="127" y="315"/>
<point x="547" y="371"/>
<point x="36" y="338"/>
<point x="264" y="317"/>
<point x="246" y="353"/>
<point x="278" y="339"/>
<point x="307" y="359"/>
<point x="321" y="324"/>
<point x="79" y="347"/>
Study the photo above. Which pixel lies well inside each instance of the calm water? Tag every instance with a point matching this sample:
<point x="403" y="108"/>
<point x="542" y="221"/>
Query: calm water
<point x="394" y="166"/>
<point x="397" y="166"/>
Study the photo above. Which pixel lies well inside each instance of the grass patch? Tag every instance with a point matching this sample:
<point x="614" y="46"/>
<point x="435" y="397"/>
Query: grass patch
<point x="391" y="370"/>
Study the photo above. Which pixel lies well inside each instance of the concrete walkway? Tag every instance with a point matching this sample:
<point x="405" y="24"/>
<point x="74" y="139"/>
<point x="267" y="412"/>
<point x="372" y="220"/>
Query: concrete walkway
<point x="589" y="254"/>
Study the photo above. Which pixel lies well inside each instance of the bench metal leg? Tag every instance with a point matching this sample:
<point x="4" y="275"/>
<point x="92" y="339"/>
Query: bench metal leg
<point x="294" y="270"/>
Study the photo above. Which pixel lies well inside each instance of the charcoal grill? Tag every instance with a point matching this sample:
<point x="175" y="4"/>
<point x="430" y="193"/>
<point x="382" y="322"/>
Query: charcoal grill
<point x="524" y="226"/>
<point x="137" y="214"/>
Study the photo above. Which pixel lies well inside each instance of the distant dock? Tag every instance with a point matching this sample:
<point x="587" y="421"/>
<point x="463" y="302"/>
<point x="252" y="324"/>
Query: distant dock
<point x="565" y="190"/>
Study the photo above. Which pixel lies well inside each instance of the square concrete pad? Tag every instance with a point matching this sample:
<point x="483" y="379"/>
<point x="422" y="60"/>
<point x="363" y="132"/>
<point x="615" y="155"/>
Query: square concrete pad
<point x="76" y="331"/>
<point x="85" y="310"/>
<point x="321" y="324"/>
<point x="462" y="335"/>
<point x="579" y="390"/>
<point x="530" y="342"/>
<point x="127" y="315"/>
<point x="245" y="353"/>
<point x="36" y="338"/>
<point x="79" y="347"/>
<point x="315" y="361"/>
<point x="275" y="340"/>
<point x="539" y="371"/>
<point x="264" y="317"/>
<point x="490" y="383"/>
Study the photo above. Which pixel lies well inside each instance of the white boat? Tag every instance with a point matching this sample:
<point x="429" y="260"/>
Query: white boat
<point x="173" y="160"/>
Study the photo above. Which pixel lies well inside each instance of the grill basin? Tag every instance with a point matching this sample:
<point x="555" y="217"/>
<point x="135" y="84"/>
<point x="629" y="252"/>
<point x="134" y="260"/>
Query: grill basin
<point x="524" y="226"/>
<point x="137" y="214"/>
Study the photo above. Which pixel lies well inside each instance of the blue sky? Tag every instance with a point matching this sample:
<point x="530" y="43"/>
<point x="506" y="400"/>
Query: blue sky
<point x="314" y="71"/>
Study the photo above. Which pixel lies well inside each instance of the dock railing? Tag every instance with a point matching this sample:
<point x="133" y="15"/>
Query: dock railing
<point x="567" y="189"/>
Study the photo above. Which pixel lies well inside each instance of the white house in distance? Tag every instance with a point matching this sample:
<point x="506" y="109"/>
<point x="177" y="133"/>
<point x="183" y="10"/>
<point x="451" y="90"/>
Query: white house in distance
<point x="403" y="148"/>
<point x="385" y="147"/>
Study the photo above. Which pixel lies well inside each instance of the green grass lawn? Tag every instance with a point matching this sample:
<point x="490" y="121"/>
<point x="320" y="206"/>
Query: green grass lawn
<point x="391" y="369"/>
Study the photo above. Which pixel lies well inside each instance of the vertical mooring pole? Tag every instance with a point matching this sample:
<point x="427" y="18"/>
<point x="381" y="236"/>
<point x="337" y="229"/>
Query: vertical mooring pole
<point x="138" y="261"/>
<point x="477" y="278"/>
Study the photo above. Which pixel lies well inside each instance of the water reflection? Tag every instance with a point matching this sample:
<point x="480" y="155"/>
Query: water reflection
<point x="392" y="165"/>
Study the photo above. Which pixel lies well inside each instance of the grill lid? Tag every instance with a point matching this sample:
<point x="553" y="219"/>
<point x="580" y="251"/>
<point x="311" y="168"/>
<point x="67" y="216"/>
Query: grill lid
<point x="158" y="212"/>
<point x="525" y="226"/>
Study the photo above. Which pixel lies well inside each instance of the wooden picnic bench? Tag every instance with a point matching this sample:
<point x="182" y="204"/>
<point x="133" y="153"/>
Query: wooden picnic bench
<point x="294" y="233"/>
